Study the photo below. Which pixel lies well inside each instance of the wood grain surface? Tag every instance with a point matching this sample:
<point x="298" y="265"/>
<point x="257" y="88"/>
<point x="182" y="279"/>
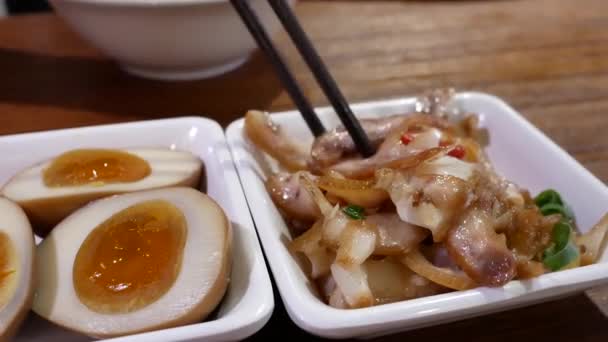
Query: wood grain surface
<point x="547" y="58"/>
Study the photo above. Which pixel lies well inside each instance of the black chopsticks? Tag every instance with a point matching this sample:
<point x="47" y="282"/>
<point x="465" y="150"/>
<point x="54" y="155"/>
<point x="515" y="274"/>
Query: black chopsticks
<point x="297" y="96"/>
<point x="316" y="65"/>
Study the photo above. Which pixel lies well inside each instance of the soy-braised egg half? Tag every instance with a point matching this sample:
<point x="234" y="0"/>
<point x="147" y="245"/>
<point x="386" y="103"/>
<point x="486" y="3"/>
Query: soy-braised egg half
<point x="135" y="262"/>
<point x="16" y="267"/>
<point x="51" y="190"/>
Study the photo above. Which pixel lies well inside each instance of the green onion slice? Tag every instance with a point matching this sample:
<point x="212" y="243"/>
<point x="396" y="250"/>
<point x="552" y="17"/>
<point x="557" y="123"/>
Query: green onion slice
<point x="561" y="234"/>
<point x="554" y="208"/>
<point x="355" y="212"/>
<point x="548" y="196"/>
<point x="562" y="252"/>
<point x="561" y="258"/>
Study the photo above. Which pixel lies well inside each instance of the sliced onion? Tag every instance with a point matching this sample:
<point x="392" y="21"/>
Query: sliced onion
<point x="269" y="137"/>
<point x="414" y="160"/>
<point x="326" y="285"/>
<point x="316" y="194"/>
<point x="310" y="239"/>
<point x="514" y="196"/>
<point x="593" y="243"/>
<point x="330" y="292"/>
<point x="352" y="282"/>
<point x="402" y="191"/>
<point x="357" y="243"/>
<point x="429" y="201"/>
<point x="357" y="192"/>
<point x="447" y="166"/>
<point x="442" y="276"/>
<point x="309" y="244"/>
<point x="337" y="300"/>
<point x="334" y="225"/>
<point x="391" y="281"/>
<point x="394" y="236"/>
<point x="426" y="139"/>
<point x="320" y="261"/>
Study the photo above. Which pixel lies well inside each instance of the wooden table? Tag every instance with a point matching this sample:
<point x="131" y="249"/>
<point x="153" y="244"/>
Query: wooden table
<point x="548" y="58"/>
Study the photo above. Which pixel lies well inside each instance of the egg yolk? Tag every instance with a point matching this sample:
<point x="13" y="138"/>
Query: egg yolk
<point x="132" y="259"/>
<point x="85" y="166"/>
<point x="5" y="267"/>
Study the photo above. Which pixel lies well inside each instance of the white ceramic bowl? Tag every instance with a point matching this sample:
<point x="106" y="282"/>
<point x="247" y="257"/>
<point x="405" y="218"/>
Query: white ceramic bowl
<point x="167" y="39"/>
<point x="249" y="301"/>
<point x="518" y="150"/>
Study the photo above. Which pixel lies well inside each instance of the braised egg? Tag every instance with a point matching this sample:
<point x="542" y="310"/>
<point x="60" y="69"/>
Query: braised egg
<point x="16" y="267"/>
<point x="51" y="190"/>
<point x="135" y="262"/>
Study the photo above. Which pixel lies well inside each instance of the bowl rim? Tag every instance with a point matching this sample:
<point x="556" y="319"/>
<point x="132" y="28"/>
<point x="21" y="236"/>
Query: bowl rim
<point x="141" y="3"/>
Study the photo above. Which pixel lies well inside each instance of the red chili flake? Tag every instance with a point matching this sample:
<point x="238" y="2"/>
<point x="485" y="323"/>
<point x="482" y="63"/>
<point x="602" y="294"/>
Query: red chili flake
<point x="406" y="139"/>
<point x="457" y="152"/>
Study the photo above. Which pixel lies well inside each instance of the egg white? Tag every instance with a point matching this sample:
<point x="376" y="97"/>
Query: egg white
<point x="15" y="225"/>
<point x="206" y="257"/>
<point x="168" y="167"/>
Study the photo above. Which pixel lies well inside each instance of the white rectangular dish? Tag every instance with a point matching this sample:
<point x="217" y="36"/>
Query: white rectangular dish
<point x="517" y="149"/>
<point x="249" y="301"/>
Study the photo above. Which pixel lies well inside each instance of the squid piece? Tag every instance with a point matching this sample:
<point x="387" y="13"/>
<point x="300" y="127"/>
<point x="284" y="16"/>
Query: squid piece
<point x="408" y="142"/>
<point x="395" y="237"/>
<point x="352" y="282"/>
<point x="356" y="244"/>
<point x="479" y="250"/>
<point x="390" y="233"/>
<point x="358" y="192"/>
<point x="439" y="103"/>
<point x="337" y="144"/>
<point x="430" y="201"/>
<point x="353" y="240"/>
<point x="287" y="193"/>
<point x="270" y="138"/>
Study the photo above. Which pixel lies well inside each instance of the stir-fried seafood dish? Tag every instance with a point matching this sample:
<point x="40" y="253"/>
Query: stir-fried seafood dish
<point x="426" y="214"/>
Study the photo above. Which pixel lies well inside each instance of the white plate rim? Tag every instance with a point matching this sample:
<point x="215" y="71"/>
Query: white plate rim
<point x="235" y="325"/>
<point x="323" y="320"/>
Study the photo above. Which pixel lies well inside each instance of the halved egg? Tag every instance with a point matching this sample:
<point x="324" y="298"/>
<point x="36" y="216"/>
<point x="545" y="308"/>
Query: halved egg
<point x="16" y="267"/>
<point x="135" y="262"/>
<point x="51" y="190"/>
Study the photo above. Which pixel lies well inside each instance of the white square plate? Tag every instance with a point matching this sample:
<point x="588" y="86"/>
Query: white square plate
<point x="518" y="150"/>
<point x="249" y="301"/>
